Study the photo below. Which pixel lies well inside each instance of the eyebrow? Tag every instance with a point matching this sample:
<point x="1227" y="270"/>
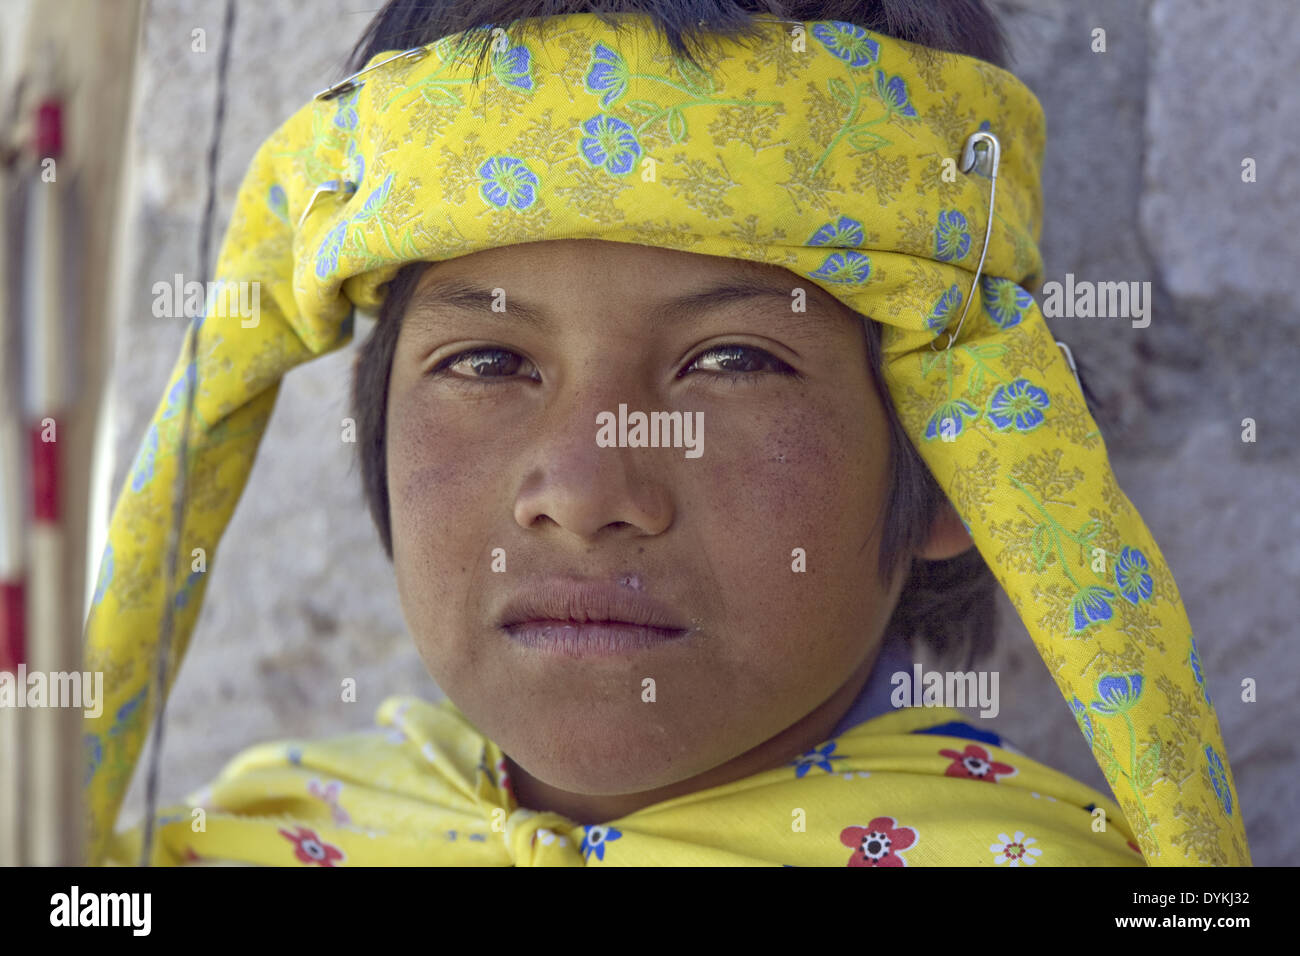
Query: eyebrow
<point x="468" y="296"/>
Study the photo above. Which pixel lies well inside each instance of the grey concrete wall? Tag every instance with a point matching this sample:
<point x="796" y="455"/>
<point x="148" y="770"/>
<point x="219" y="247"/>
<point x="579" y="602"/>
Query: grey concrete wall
<point x="1142" y="183"/>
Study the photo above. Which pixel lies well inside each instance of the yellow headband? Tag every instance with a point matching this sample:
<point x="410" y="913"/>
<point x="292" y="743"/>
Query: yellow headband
<point x="825" y="149"/>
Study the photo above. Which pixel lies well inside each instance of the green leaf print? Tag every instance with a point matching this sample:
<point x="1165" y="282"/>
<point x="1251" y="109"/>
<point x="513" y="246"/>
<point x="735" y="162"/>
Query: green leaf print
<point x="677" y="125"/>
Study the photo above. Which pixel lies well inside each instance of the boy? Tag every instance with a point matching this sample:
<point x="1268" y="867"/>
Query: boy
<point x="638" y="644"/>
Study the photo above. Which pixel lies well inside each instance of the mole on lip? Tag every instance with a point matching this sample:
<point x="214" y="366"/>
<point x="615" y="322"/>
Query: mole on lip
<point x="631" y="581"/>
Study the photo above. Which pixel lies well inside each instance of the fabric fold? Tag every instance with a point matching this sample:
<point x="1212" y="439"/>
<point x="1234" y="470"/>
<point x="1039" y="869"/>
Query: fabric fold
<point x="913" y="787"/>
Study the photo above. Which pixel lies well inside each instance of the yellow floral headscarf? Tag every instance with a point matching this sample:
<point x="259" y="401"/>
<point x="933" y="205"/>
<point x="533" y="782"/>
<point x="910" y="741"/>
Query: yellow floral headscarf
<point x="827" y="150"/>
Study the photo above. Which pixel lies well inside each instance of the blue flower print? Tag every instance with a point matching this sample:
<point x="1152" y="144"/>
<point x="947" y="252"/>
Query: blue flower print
<point x="943" y="310"/>
<point x="278" y="202"/>
<point x="142" y="473"/>
<point x="610" y="143"/>
<point x="294" y="756"/>
<point x="1019" y="404"/>
<point x="176" y="395"/>
<point x="105" y="576"/>
<point x="819" y="757"/>
<point x="183" y="594"/>
<point x="1090" y="605"/>
<point x="951" y="236"/>
<point x="507" y="181"/>
<point x="850" y="43"/>
<point x="893" y="91"/>
<point x="844" y="233"/>
<point x="514" y="68"/>
<point x="1219" y="778"/>
<point x="1196" y="671"/>
<point x="1131" y="575"/>
<point x="1081" y="716"/>
<point x="1118" y="693"/>
<point x="327" y="257"/>
<point x="607" y="76"/>
<point x="128" y="712"/>
<point x="844" y="267"/>
<point x="1004" y="301"/>
<point x="594" y="839"/>
<point x="956" y="728"/>
<point x="94" y="755"/>
<point x="346" y="117"/>
<point x="376" y="199"/>
<point x="956" y="412"/>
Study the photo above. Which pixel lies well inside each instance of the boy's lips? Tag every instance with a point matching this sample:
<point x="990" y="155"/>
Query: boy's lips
<point x="561" y="602"/>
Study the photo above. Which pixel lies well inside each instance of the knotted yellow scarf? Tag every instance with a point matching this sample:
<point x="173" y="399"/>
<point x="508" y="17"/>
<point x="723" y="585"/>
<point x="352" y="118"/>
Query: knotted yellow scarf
<point x="826" y="150"/>
<point x="431" y="790"/>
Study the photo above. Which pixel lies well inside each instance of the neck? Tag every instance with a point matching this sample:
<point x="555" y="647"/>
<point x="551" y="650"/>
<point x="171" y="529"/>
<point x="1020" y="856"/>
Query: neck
<point x="799" y="738"/>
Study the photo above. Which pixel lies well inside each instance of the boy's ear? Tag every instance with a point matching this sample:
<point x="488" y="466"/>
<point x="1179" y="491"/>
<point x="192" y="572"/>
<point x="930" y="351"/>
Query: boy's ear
<point x="948" y="537"/>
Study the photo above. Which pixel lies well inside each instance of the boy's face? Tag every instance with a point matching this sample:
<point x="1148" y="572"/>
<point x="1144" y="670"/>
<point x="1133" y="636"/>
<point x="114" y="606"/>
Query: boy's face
<point x="498" y="450"/>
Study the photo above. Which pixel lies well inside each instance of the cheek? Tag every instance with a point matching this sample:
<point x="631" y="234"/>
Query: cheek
<point x="427" y="476"/>
<point x="439" y="495"/>
<point x="812" y="480"/>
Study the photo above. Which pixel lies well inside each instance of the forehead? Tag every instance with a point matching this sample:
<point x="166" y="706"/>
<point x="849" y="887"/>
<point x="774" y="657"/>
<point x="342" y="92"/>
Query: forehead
<point x="575" y="251"/>
<point x="569" y="268"/>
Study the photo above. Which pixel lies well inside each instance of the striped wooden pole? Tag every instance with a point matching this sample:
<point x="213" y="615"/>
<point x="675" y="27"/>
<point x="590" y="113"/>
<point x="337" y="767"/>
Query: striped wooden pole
<point x="79" y="71"/>
<point x="48" y="365"/>
<point x="13" y="533"/>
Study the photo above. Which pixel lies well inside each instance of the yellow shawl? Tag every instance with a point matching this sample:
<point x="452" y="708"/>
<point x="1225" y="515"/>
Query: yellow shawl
<point x="432" y="791"/>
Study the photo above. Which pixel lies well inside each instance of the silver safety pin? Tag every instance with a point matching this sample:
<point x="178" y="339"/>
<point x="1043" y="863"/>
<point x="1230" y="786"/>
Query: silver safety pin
<point x="987" y="163"/>
<point x="1069" y="358"/>
<point x="346" y="187"/>
<point x="348" y="84"/>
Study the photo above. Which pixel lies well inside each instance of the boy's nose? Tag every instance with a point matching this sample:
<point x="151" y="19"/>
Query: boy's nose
<point x="584" y="488"/>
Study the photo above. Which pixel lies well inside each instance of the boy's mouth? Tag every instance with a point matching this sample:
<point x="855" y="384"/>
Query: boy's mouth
<point x="588" y="617"/>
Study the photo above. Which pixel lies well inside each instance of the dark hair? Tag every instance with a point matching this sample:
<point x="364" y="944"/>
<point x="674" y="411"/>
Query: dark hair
<point x="958" y="26"/>
<point x="946" y="605"/>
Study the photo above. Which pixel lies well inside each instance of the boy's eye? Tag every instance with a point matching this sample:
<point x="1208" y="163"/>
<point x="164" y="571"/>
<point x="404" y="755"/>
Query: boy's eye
<point x="736" y="361"/>
<point x="486" y="363"/>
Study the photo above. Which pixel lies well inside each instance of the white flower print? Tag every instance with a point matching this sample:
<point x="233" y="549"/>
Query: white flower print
<point x="1015" y="850"/>
<point x="547" y="837"/>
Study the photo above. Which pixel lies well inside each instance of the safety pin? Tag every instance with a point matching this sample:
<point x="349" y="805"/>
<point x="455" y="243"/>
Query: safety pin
<point x="349" y="83"/>
<point x="1069" y="358"/>
<point x="987" y="161"/>
<point x="347" y="187"/>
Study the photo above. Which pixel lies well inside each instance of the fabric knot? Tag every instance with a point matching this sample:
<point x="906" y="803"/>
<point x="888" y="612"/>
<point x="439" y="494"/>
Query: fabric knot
<point x="541" y="839"/>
